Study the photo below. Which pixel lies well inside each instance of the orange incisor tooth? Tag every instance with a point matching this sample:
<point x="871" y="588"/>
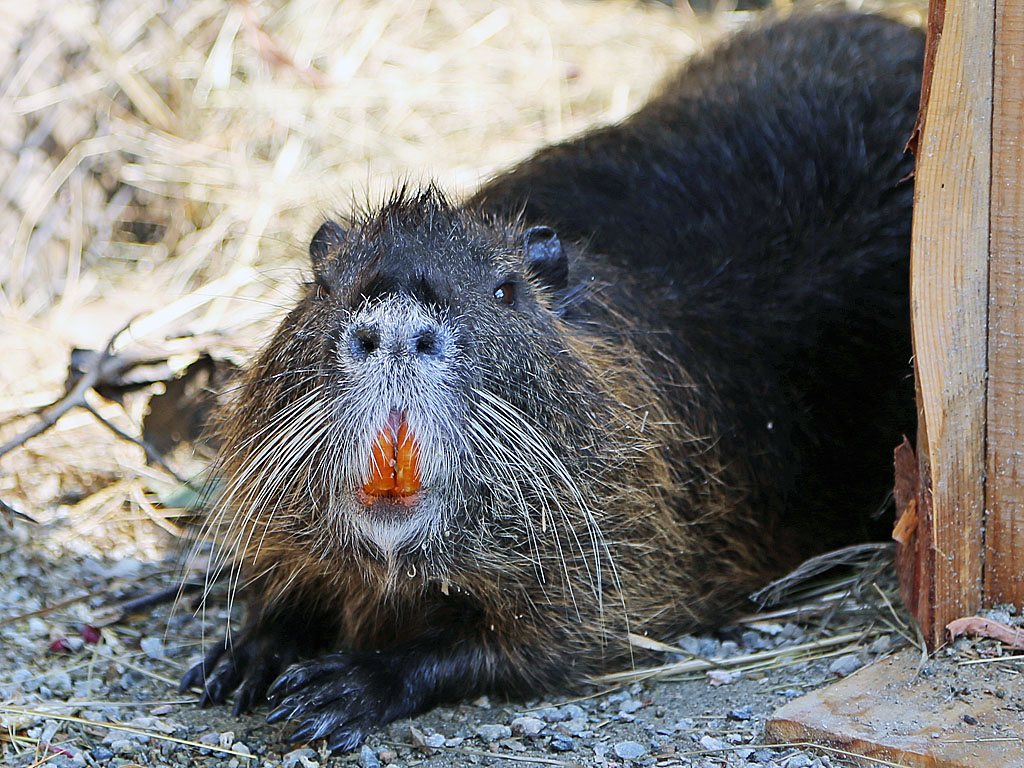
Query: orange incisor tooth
<point x="407" y="462"/>
<point x="394" y="463"/>
<point x="382" y="465"/>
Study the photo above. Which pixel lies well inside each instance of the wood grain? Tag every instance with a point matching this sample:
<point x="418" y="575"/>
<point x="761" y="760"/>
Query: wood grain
<point x="890" y="712"/>
<point x="949" y="276"/>
<point x="1004" y="529"/>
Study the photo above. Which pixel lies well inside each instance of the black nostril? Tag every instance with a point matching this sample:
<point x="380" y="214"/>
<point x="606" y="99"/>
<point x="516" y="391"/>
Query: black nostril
<point x="427" y="342"/>
<point x="365" y="341"/>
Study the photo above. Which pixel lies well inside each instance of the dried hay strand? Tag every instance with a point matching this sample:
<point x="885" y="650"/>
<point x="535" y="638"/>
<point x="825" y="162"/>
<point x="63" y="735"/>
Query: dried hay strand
<point x="164" y="163"/>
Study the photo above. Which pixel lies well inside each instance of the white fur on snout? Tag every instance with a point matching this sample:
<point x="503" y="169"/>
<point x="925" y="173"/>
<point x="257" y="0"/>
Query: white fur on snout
<point x="428" y="389"/>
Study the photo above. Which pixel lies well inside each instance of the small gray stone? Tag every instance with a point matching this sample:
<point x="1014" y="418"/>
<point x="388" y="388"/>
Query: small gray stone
<point x="37" y="627"/>
<point x="630" y="750"/>
<point x="879" y="645"/>
<point x="124" y="747"/>
<point x="704" y="647"/>
<point x="630" y="706"/>
<point x="798" y="761"/>
<point x="100" y="753"/>
<point x="551" y="715"/>
<point x="153" y="647"/>
<point x="710" y="742"/>
<point x="754" y="641"/>
<point x="368" y="758"/>
<point x="59" y="681"/>
<point x="574" y="711"/>
<point x="300" y="758"/>
<point x="493" y="731"/>
<point x="562" y="744"/>
<point x="845" y="665"/>
<point x="741" y="713"/>
<point x="527" y="726"/>
<point x="574" y="727"/>
<point x="435" y="740"/>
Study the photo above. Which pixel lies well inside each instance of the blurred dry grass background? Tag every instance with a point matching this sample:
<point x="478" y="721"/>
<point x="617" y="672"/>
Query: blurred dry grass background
<point x="166" y="161"/>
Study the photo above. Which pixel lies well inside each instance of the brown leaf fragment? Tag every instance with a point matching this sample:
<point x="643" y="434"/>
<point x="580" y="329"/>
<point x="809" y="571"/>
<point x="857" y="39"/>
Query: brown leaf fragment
<point x="976" y="625"/>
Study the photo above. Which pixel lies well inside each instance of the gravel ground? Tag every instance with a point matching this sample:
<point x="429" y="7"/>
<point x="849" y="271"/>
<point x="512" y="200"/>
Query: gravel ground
<point x="66" y="680"/>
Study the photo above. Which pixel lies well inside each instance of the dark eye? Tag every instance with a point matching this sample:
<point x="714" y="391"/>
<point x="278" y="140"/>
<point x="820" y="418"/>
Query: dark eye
<point x="506" y="293"/>
<point x="320" y="289"/>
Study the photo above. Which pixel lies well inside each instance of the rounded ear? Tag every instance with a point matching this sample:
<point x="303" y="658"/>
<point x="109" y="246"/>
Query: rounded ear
<point x="324" y="242"/>
<point x="545" y="257"/>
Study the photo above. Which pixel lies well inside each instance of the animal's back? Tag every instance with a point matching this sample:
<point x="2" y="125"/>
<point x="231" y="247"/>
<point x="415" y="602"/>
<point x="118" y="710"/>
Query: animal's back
<point x="761" y="205"/>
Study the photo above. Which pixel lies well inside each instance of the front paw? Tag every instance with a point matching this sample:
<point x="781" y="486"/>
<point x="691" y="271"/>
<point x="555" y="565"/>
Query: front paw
<point x="341" y="697"/>
<point x="247" y="666"/>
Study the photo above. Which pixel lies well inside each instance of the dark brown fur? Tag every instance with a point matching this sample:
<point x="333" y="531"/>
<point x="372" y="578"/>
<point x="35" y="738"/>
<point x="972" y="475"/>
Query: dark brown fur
<point x="699" y="387"/>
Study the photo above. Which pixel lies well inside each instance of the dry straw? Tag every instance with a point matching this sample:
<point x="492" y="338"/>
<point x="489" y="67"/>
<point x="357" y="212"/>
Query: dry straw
<point x="168" y="160"/>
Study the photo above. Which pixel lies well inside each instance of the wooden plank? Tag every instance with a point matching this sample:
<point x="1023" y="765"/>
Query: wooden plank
<point x="952" y="716"/>
<point x="1004" y="529"/>
<point x="949" y="275"/>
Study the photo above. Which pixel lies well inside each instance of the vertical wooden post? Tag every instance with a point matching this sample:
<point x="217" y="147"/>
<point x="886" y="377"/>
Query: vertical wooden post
<point x="967" y="273"/>
<point x="1004" y="525"/>
<point x="949" y="309"/>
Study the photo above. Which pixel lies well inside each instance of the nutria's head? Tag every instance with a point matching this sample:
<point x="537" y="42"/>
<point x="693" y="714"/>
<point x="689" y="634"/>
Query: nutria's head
<point x="426" y="396"/>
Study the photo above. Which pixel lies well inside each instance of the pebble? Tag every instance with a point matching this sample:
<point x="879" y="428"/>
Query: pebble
<point x="527" y="726"/>
<point x="574" y="727"/>
<point x="300" y="758"/>
<point x="845" y="665"/>
<point x="100" y="753"/>
<point x="367" y="758"/>
<point x="704" y="647"/>
<point x="493" y="731"/>
<point x="124" y="747"/>
<point x="153" y="647"/>
<point x="723" y="676"/>
<point x="630" y="706"/>
<point x="551" y="714"/>
<point x="387" y="755"/>
<point x="630" y="750"/>
<point x="574" y="711"/>
<point x="797" y="761"/>
<point x="563" y="744"/>
<point x="879" y="645"/>
<point x="435" y="740"/>
<point x="37" y="627"/>
<point x="741" y="713"/>
<point x="710" y="742"/>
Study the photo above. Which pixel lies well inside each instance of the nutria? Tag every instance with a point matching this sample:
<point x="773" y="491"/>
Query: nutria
<point x="615" y="391"/>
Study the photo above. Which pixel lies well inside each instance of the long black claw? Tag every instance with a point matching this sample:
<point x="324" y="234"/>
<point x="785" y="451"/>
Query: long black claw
<point x="283" y="712"/>
<point x="194" y="677"/>
<point x="345" y="739"/>
<point x="315" y="727"/>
